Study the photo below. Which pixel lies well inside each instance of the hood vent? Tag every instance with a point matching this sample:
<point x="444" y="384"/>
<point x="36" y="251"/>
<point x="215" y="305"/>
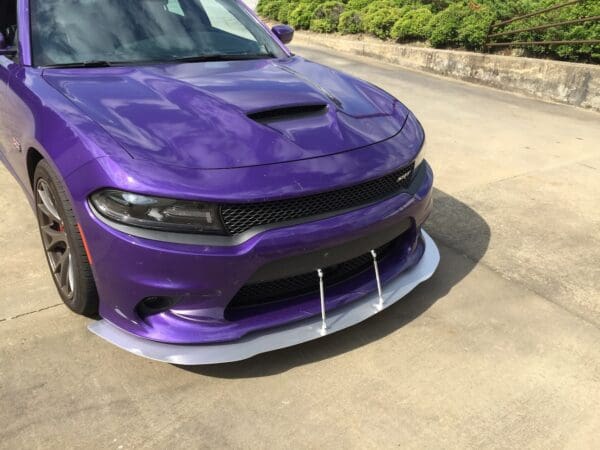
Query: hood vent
<point x="287" y="113"/>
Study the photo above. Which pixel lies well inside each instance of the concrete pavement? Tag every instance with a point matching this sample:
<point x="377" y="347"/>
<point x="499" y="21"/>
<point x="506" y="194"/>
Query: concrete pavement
<point x="500" y="349"/>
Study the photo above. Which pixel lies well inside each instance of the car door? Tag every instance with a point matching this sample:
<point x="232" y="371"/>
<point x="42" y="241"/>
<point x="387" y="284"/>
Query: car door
<point x="9" y="102"/>
<point x="8" y="10"/>
<point x="4" y="80"/>
<point x="16" y="117"/>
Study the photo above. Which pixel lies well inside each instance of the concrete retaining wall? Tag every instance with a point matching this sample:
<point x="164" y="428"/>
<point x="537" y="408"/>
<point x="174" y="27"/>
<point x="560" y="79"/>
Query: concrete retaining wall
<point x="570" y="83"/>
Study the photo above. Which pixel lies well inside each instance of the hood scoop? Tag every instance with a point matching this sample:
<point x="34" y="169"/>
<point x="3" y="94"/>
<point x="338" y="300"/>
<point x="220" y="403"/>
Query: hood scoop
<point x="288" y="113"/>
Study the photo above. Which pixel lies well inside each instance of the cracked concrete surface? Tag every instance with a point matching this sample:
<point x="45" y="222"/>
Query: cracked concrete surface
<point x="500" y="349"/>
<point x="31" y="312"/>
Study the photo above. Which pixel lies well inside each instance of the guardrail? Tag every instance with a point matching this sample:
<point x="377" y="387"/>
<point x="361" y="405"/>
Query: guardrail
<point x="491" y="35"/>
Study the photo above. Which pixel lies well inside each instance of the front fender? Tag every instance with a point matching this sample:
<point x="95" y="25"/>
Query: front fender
<point x="43" y="120"/>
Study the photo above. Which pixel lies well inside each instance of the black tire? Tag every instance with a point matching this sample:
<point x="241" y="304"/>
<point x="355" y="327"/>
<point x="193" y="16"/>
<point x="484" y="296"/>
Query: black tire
<point x="62" y="242"/>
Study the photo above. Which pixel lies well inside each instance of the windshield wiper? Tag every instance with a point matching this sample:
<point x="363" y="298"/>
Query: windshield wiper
<point x="89" y="64"/>
<point x="224" y="57"/>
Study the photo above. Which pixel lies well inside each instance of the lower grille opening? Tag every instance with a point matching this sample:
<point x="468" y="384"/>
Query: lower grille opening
<point x="151" y="306"/>
<point x="287" y="289"/>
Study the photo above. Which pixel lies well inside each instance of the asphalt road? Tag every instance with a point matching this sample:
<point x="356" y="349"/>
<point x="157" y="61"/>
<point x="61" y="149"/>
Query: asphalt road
<point x="500" y="349"/>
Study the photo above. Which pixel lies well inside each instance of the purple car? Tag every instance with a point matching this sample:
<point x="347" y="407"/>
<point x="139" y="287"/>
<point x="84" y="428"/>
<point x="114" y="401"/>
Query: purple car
<point x="204" y="192"/>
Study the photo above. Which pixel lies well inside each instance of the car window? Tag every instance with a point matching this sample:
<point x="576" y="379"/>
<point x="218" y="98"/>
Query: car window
<point x="67" y="32"/>
<point x="222" y="19"/>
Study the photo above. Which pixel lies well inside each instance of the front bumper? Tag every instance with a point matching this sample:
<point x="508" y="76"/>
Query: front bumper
<point x="280" y="337"/>
<point x="203" y="279"/>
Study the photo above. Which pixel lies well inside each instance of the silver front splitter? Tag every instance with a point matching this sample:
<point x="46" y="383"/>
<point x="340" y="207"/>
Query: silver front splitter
<point x="284" y="336"/>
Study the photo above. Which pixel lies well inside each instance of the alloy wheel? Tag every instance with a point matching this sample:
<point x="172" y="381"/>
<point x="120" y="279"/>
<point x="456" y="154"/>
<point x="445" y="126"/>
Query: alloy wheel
<point x="55" y="239"/>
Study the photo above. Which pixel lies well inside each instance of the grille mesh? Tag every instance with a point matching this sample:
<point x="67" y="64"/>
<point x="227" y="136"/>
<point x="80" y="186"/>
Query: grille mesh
<point x="239" y="218"/>
<point x="260" y="294"/>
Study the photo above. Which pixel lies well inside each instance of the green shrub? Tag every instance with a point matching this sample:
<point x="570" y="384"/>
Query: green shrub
<point x="445" y="23"/>
<point x="370" y="6"/>
<point x="574" y="52"/>
<point x="357" y="5"/>
<point x="475" y="27"/>
<point x="414" y="25"/>
<point x="505" y="10"/>
<point x="586" y="52"/>
<point x="283" y="13"/>
<point x="260" y="8"/>
<point x="269" y="8"/>
<point x="445" y="26"/>
<point x="326" y="17"/>
<point x="301" y="15"/>
<point x="379" y="5"/>
<point x="351" y="22"/>
<point x="439" y="5"/>
<point x="381" y="21"/>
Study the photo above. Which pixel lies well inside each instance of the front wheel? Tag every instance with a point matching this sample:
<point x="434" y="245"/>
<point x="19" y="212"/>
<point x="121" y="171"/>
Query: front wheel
<point x="63" y="243"/>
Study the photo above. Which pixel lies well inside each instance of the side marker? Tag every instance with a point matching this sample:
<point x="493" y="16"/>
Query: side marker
<point x="85" y="245"/>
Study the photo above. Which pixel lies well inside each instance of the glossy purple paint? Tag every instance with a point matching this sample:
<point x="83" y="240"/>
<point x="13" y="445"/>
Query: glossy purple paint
<point x="182" y="131"/>
<point x="187" y="133"/>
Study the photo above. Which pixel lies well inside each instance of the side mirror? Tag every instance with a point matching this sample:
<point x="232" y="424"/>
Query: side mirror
<point x="284" y="33"/>
<point x="5" y="50"/>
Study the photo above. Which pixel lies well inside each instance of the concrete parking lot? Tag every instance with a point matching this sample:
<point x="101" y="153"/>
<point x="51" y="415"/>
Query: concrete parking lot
<point x="500" y="349"/>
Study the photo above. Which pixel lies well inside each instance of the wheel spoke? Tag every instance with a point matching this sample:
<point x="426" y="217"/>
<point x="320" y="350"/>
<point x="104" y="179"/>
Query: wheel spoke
<point x="60" y="262"/>
<point x="71" y="276"/>
<point x="47" y="206"/>
<point x="63" y="274"/>
<point x="52" y="238"/>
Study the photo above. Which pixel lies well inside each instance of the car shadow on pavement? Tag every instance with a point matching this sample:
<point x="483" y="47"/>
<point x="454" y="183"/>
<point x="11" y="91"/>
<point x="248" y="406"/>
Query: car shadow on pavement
<point x="463" y="237"/>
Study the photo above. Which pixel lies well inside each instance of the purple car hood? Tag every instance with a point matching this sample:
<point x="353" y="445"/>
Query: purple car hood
<point x="232" y="114"/>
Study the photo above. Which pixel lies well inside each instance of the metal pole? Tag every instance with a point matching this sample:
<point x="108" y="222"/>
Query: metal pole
<point x="323" y="313"/>
<point x="379" y="290"/>
<point x="529" y="43"/>
<point x="545" y="27"/>
<point x="535" y="13"/>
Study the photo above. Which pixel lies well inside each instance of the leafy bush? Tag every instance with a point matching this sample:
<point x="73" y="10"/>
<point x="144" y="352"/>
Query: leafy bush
<point x="475" y="27"/>
<point x="379" y="5"/>
<point x="326" y="17"/>
<point x="505" y="10"/>
<point x="381" y="21"/>
<point x="301" y="15"/>
<point x="445" y="26"/>
<point x="414" y="25"/>
<point x="358" y="5"/>
<point x="283" y="13"/>
<point x="444" y="23"/>
<point x="351" y="22"/>
<point x="438" y="5"/>
<point x="585" y="31"/>
<point x="269" y="8"/>
<point x="370" y="6"/>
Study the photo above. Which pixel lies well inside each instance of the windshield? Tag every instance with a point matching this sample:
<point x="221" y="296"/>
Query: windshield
<point x="113" y="32"/>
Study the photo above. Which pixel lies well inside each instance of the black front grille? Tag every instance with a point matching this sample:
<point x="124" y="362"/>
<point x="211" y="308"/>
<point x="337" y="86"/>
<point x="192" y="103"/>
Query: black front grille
<point x="239" y="218"/>
<point x="261" y="294"/>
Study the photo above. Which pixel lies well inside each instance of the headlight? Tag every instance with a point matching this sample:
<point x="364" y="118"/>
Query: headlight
<point x="158" y="213"/>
